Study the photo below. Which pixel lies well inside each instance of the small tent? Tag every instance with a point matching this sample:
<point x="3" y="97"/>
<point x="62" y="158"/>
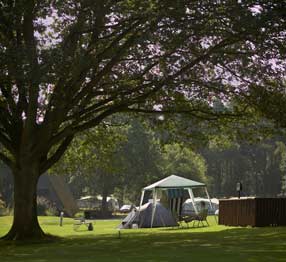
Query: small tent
<point x="175" y="187"/>
<point x="188" y="207"/>
<point x="143" y="218"/>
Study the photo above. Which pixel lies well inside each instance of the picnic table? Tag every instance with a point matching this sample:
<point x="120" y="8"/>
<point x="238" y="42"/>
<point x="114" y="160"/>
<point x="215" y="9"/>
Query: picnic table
<point x="79" y="222"/>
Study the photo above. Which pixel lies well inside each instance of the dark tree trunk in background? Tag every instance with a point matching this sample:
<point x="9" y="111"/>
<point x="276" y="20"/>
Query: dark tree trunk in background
<point x="104" y="204"/>
<point x="25" y="223"/>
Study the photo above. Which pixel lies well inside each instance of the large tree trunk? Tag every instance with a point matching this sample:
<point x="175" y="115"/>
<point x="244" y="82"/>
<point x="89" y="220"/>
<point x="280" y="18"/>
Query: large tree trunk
<point x="25" y="223"/>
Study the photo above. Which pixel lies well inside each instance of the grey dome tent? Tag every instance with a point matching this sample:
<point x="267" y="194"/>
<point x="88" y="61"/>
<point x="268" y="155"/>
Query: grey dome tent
<point x="188" y="208"/>
<point x="143" y="218"/>
<point x="172" y="183"/>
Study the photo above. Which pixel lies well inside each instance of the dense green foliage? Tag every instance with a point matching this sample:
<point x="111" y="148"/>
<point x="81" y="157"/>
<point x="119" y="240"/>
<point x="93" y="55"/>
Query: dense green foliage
<point x="145" y="154"/>
<point x="181" y="160"/>
<point x="124" y="166"/>
<point x="91" y="153"/>
<point x="140" y="158"/>
<point x="257" y="166"/>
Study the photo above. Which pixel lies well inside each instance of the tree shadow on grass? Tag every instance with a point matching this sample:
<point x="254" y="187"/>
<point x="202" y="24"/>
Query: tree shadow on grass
<point x="229" y="244"/>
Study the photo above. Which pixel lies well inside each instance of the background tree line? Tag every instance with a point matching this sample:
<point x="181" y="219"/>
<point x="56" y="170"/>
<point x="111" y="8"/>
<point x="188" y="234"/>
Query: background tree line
<point x="137" y="154"/>
<point x="125" y="154"/>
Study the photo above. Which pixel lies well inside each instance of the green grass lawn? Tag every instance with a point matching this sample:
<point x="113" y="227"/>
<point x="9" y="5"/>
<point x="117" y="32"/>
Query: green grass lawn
<point x="214" y="243"/>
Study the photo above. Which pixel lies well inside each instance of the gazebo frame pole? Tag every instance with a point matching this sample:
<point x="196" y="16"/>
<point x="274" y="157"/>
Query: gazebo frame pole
<point x="140" y="205"/>
<point x="191" y="194"/>
<point x="208" y="196"/>
<point x="211" y="205"/>
<point x="154" y="206"/>
<point x="141" y="199"/>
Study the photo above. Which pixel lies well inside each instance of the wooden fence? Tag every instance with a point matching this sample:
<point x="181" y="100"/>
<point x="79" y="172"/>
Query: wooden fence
<point x="256" y="212"/>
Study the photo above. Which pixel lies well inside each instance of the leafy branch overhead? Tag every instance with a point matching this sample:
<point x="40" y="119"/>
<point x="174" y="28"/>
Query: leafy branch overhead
<point x="67" y="65"/>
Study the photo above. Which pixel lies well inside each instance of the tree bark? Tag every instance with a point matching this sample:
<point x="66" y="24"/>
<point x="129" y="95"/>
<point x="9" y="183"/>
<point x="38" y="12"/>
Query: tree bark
<point x="25" y="222"/>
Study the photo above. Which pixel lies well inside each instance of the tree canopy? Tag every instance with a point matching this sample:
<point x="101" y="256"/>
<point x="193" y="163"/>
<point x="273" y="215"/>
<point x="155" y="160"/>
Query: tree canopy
<point x="65" y="66"/>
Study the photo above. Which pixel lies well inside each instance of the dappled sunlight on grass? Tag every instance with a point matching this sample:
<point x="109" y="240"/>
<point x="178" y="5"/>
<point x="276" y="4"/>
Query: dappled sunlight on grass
<point x="214" y="243"/>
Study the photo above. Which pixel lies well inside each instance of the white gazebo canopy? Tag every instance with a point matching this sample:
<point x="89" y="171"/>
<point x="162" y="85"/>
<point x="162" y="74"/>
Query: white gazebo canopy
<point x="173" y="182"/>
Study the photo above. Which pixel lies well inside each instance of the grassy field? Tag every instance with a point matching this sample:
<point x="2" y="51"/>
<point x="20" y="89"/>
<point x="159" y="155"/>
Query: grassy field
<point x="214" y="243"/>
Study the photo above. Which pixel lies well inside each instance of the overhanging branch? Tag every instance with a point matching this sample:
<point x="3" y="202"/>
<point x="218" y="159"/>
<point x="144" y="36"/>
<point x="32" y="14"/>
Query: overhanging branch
<point x="7" y="143"/>
<point x="57" y="155"/>
<point x="6" y="160"/>
<point x="198" y="113"/>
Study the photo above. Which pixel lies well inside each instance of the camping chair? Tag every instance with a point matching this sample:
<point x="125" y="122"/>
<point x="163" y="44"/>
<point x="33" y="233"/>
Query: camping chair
<point x="201" y="218"/>
<point x="186" y="219"/>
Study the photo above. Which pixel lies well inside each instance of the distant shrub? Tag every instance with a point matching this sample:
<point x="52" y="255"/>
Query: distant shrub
<point x="79" y="214"/>
<point x="45" y="207"/>
<point x="5" y="211"/>
<point x="2" y="208"/>
<point x="2" y="204"/>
